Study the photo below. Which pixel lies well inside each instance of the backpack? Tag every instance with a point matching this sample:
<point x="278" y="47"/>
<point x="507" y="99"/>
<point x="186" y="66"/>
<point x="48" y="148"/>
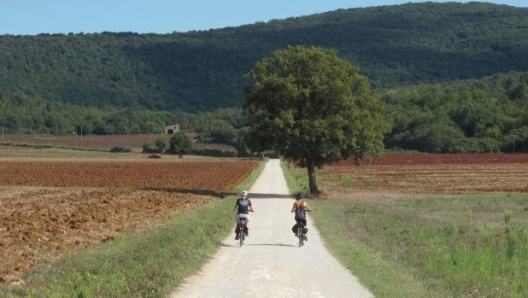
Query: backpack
<point x="300" y="212"/>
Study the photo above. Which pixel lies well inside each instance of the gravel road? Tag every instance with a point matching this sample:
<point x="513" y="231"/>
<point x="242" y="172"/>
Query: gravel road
<point x="270" y="264"/>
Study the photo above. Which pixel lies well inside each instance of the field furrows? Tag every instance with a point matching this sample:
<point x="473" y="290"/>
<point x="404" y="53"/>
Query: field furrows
<point x="49" y="207"/>
<point x="435" y="172"/>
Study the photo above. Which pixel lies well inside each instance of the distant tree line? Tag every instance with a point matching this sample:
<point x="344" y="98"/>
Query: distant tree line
<point x="485" y="115"/>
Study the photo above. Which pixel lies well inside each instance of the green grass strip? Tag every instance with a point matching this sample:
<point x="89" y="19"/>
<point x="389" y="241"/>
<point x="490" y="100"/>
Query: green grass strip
<point x="382" y="278"/>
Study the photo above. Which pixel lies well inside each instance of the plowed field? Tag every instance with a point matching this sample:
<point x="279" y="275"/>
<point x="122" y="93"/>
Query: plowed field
<point x="433" y="172"/>
<point x="48" y="207"/>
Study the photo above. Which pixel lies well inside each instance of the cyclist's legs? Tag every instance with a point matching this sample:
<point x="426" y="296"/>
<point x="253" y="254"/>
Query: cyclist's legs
<point x="303" y="222"/>
<point x="240" y="218"/>
<point x="297" y="220"/>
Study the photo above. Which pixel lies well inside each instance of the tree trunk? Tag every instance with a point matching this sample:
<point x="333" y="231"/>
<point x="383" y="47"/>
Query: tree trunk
<point x="311" y="180"/>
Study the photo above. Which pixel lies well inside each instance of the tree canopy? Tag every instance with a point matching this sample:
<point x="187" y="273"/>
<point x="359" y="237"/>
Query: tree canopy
<point x="313" y="108"/>
<point x="180" y="144"/>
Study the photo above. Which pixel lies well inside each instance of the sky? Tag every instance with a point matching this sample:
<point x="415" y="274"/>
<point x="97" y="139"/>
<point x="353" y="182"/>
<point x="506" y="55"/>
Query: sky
<point x="31" y="17"/>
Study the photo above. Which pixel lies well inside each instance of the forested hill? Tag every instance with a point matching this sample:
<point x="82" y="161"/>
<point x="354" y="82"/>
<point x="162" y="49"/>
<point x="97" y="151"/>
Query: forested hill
<point x="204" y="70"/>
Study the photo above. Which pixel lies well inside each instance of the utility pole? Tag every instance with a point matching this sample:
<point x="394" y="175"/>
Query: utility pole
<point x="81" y="123"/>
<point x="513" y="140"/>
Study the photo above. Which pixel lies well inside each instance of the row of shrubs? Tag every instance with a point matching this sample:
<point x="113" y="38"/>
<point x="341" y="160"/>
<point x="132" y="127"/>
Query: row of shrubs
<point x="206" y="152"/>
<point x="202" y="152"/>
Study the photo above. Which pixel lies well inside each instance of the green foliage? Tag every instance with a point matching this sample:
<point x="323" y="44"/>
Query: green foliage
<point x="469" y="116"/>
<point x="117" y="149"/>
<point x="27" y="117"/>
<point x="312" y="107"/>
<point x="240" y="143"/>
<point x="180" y="144"/>
<point x="213" y="153"/>
<point x="203" y="71"/>
<point x="222" y="132"/>
<point x="161" y="144"/>
<point x="147" y="148"/>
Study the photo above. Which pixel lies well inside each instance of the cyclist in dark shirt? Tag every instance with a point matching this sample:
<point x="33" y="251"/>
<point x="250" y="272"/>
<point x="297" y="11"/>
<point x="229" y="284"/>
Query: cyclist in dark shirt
<point x="242" y="207"/>
<point x="300" y="207"/>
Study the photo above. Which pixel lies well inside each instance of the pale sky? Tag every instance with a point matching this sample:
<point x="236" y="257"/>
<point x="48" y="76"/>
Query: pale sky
<point x="30" y="17"/>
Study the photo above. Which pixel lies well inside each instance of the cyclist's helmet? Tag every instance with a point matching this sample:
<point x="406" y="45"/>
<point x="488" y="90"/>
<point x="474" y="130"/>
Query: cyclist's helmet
<point x="299" y="196"/>
<point x="244" y="193"/>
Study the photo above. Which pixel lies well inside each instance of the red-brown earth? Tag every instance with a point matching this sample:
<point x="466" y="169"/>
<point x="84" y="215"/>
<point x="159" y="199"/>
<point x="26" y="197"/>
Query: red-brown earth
<point x="434" y="172"/>
<point x="52" y="206"/>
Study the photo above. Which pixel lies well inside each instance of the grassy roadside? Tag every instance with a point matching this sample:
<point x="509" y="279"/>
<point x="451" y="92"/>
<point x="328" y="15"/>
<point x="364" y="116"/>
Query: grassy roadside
<point x="470" y="245"/>
<point x="379" y="276"/>
<point x="144" y="264"/>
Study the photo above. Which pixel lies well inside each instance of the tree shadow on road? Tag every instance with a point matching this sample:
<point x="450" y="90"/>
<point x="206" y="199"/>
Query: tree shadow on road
<point x="269" y="196"/>
<point x="260" y="244"/>
<point x="220" y="194"/>
<point x="270" y="244"/>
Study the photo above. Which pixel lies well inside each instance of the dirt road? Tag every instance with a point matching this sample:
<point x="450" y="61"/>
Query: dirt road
<point x="271" y="264"/>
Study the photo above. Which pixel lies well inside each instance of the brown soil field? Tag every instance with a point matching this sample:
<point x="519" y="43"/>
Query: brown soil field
<point x="52" y="206"/>
<point x="433" y="173"/>
<point x="221" y="176"/>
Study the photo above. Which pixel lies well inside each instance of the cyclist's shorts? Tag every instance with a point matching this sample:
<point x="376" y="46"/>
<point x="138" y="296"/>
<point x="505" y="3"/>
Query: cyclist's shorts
<point x="239" y="217"/>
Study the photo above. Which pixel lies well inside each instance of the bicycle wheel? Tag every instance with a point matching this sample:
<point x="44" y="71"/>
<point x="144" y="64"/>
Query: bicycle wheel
<point x="241" y="234"/>
<point x="300" y="236"/>
<point x="241" y="237"/>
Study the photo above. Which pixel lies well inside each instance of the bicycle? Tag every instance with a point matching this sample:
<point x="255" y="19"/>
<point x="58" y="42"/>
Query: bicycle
<point x="301" y="228"/>
<point x="300" y="233"/>
<point x="241" y="228"/>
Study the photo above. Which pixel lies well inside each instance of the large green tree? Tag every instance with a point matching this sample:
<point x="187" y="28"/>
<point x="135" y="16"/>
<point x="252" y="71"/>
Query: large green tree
<point x="313" y="108"/>
<point x="180" y="144"/>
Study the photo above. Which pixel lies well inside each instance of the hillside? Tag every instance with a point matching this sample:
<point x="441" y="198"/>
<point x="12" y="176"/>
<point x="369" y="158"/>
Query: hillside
<point x="453" y="77"/>
<point x="204" y="70"/>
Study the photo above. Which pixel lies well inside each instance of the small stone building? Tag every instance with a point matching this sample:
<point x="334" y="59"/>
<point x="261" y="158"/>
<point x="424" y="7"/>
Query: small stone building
<point x="172" y="129"/>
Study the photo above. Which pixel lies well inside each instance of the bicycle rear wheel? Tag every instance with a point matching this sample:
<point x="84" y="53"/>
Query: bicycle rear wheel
<point x="300" y="236"/>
